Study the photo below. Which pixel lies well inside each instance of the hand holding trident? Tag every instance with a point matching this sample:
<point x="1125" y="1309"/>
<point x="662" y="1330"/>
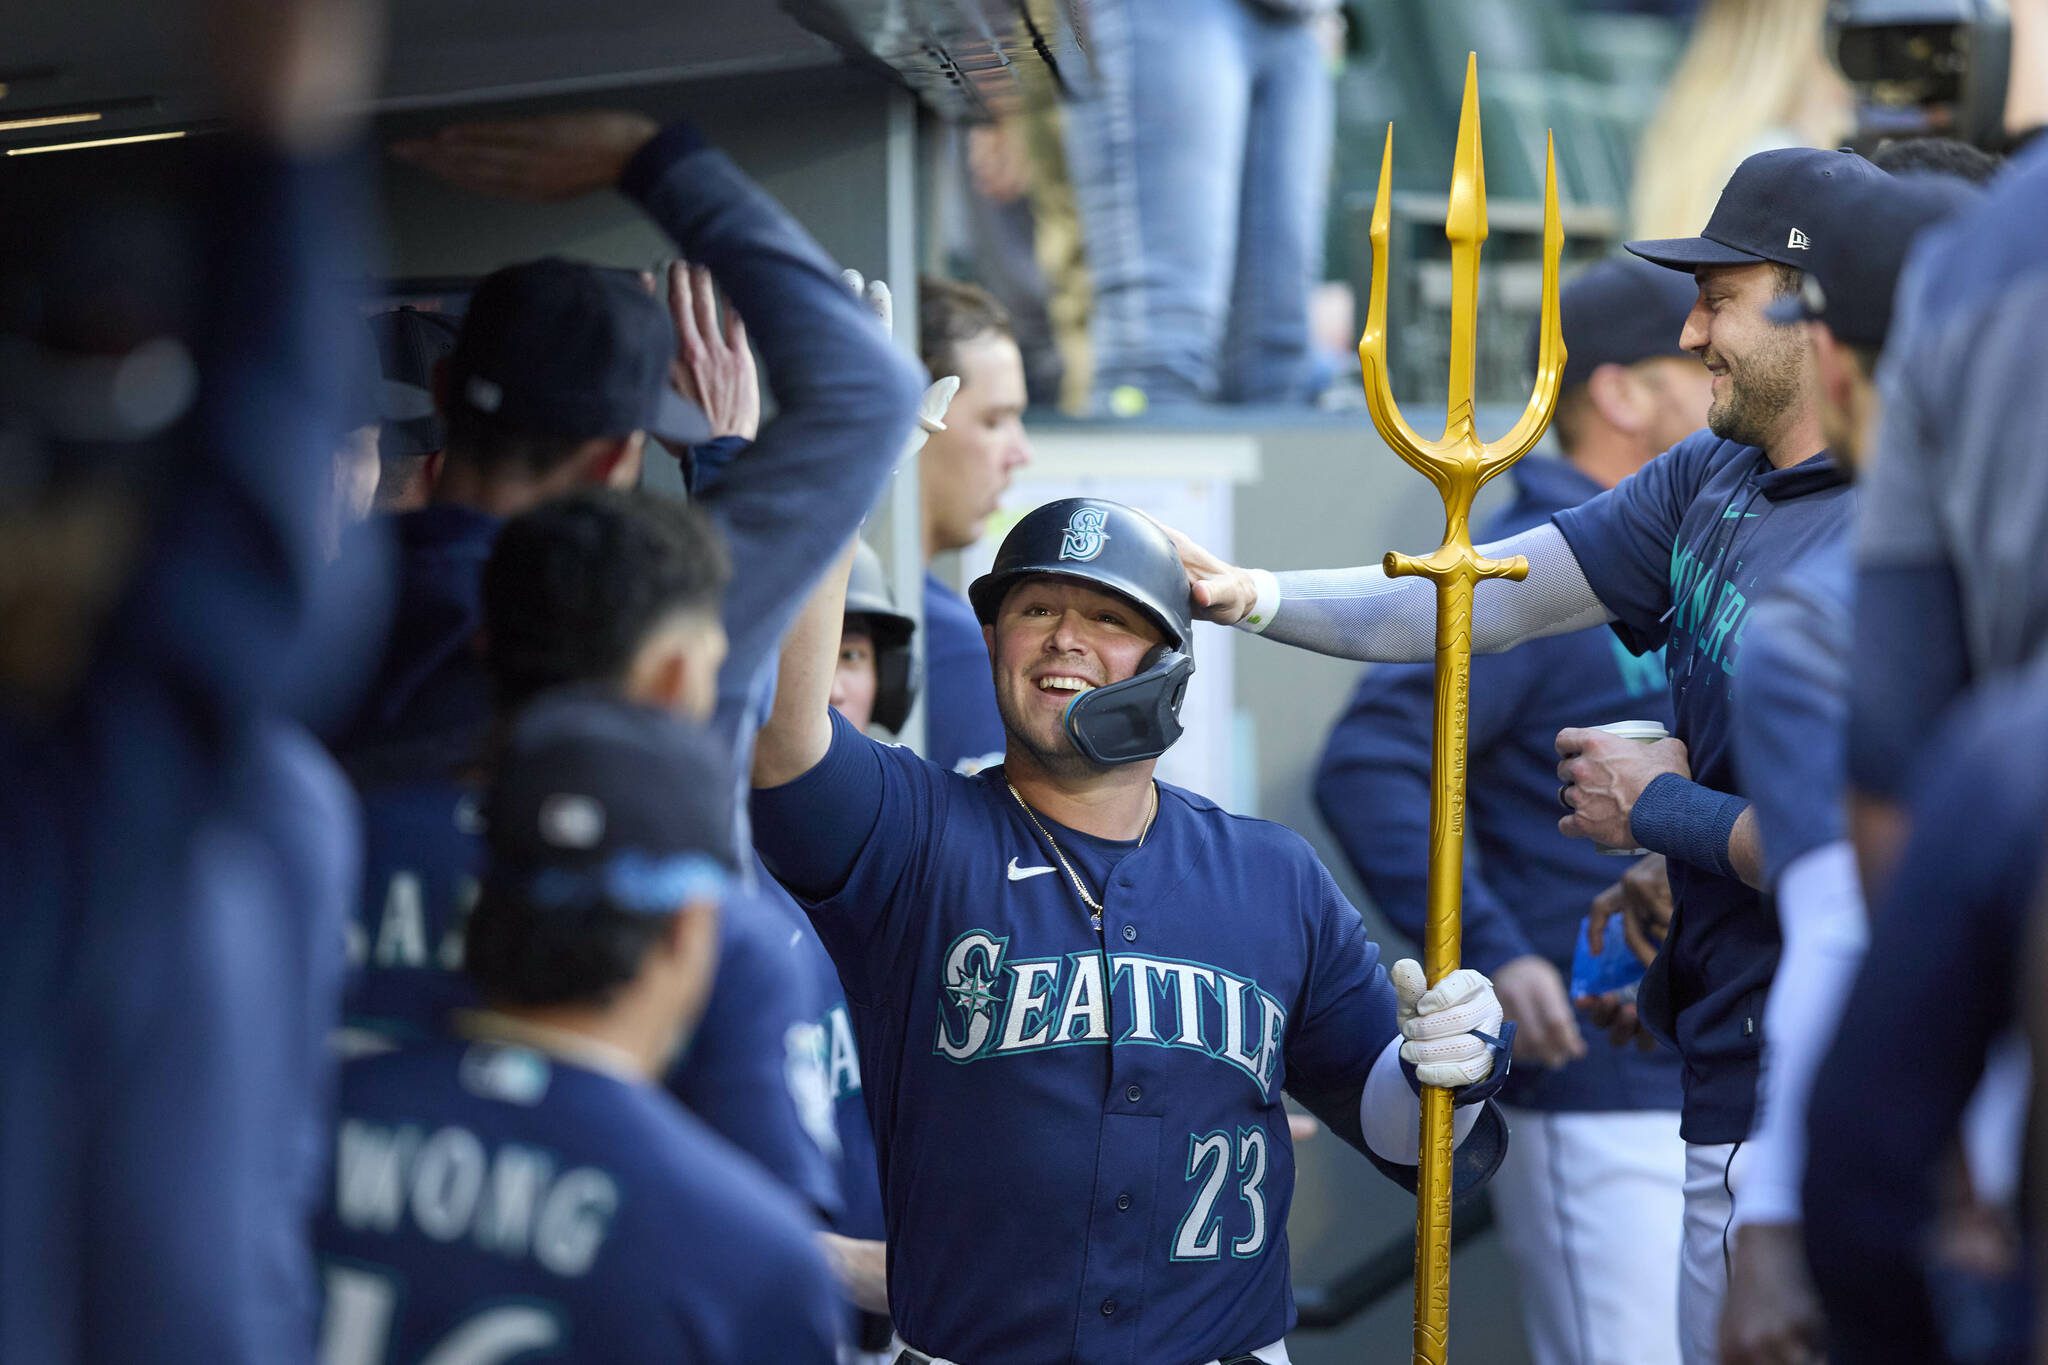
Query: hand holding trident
<point x="1458" y="464"/>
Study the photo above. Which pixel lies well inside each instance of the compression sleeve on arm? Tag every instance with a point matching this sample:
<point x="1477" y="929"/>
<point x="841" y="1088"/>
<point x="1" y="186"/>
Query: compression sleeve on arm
<point x="1360" y="613"/>
<point x="1820" y="905"/>
<point x="1390" y="1112"/>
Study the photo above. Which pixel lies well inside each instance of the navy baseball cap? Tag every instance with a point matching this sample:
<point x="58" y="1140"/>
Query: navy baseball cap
<point x="1617" y="312"/>
<point x="570" y="350"/>
<point x="1851" y="283"/>
<point x="410" y="344"/>
<point x="598" y="801"/>
<point x="1775" y="207"/>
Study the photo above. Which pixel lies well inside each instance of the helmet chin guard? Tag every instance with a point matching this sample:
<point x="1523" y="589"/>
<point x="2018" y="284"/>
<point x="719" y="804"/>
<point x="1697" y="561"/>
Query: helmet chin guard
<point x="1132" y="720"/>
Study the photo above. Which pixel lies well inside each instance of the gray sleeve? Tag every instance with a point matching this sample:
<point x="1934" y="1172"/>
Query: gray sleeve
<point x="1360" y="613"/>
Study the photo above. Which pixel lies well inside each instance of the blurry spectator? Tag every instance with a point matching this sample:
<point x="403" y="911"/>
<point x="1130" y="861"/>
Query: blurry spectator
<point x="962" y="474"/>
<point x="1590" y="1196"/>
<point x="1200" y="155"/>
<point x="412" y="346"/>
<point x="1002" y="238"/>
<point x="176" y="855"/>
<point x="524" y="1185"/>
<point x="1936" y="156"/>
<point x="1755" y="76"/>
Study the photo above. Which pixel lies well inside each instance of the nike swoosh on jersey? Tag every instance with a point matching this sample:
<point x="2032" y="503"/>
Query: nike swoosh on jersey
<point x="1018" y="874"/>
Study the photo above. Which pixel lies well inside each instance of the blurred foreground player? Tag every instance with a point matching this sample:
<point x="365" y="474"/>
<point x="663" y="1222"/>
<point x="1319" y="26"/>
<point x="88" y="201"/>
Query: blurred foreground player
<point x="1589" y="1200"/>
<point x="174" y="853"/>
<point x="1955" y="509"/>
<point x="527" y="1189"/>
<point x="1078" y="994"/>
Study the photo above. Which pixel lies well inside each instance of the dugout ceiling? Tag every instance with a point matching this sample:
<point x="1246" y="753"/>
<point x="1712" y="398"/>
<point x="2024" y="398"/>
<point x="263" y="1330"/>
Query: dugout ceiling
<point x="137" y="66"/>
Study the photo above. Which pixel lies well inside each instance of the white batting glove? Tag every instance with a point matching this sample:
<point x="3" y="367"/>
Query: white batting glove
<point x="1437" y="1025"/>
<point x="931" y="411"/>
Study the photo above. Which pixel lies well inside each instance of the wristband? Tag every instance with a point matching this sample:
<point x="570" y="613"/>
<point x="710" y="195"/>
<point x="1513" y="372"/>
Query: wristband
<point x="1677" y="817"/>
<point x="1264" y="604"/>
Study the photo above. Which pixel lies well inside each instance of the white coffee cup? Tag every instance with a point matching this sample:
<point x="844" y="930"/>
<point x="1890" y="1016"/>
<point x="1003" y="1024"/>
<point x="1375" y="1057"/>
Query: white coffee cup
<point x="1643" y="732"/>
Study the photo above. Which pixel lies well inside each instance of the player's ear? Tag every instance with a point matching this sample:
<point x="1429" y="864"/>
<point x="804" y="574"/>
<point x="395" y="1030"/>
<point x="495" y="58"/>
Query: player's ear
<point x="1617" y="395"/>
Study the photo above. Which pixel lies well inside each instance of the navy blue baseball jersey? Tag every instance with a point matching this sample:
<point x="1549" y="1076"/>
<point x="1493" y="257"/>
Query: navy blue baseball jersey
<point x="493" y="1202"/>
<point x="1680" y="552"/>
<point x="963" y="730"/>
<point x="1082" y="1142"/>
<point x="751" y="1068"/>
<point x="1527" y="887"/>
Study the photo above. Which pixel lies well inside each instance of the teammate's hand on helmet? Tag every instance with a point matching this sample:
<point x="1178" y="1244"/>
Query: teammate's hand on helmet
<point x="713" y="367"/>
<point x="1603" y="774"/>
<point x="1532" y="993"/>
<point x="1772" y="1315"/>
<point x="1222" y="592"/>
<point x="1440" y="1025"/>
<point x="543" y="159"/>
<point x="1642" y="898"/>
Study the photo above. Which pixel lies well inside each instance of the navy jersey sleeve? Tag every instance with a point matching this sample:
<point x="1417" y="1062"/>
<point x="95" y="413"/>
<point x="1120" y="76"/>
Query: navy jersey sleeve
<point x="847" y="838"/>
<point x="1345" y="1016"/>
<point x="1909" y="635"/>
<point x="1937" y="988"/>
<point x="845" y="397"/>
<point x="1791" y="714"/>
<point x="1373" y="790"/>
<point x="1622" y="538"/>
<point x="743" y="1073"/>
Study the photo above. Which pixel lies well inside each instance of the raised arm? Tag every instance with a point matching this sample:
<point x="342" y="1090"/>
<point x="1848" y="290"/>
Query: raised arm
<point x="799" y="727"/>
<point x="1360" y="613"/>
<point x="846" y="396"/>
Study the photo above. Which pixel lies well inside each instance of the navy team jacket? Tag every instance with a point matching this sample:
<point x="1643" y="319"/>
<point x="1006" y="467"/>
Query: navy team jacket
<point x="1679" y="552"/>
<point x="1527" y="886"/>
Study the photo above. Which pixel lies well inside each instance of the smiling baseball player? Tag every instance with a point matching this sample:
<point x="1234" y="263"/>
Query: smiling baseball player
<point x="1079" y="993"/>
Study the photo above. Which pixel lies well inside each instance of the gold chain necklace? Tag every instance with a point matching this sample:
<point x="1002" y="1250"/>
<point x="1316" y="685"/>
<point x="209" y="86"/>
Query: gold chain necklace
<point x="1080" y="888"/>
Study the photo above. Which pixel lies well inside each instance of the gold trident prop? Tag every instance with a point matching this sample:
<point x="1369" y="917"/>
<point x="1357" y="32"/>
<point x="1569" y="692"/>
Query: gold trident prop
<point x="1458" y="464"/>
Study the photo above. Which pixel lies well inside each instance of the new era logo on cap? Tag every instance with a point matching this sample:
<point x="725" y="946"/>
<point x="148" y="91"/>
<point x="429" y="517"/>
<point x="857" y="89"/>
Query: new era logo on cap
<point x="1797" y="241"/>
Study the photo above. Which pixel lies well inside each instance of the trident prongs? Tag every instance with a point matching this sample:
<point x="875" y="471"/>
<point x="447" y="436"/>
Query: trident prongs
<point x="1458" y="464"/>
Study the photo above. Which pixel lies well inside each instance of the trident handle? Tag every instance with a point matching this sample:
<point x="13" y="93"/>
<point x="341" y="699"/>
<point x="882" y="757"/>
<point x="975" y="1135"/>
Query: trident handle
<point x="1459" y="464"/>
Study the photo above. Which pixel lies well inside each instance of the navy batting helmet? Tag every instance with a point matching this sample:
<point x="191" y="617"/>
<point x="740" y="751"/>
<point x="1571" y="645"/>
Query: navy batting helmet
<point x="868" y="597"/>
<point x="1108" y="545"/>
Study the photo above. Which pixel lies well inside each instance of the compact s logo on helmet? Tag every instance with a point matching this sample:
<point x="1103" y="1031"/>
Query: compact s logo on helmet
<point x="1086" y="533"/>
